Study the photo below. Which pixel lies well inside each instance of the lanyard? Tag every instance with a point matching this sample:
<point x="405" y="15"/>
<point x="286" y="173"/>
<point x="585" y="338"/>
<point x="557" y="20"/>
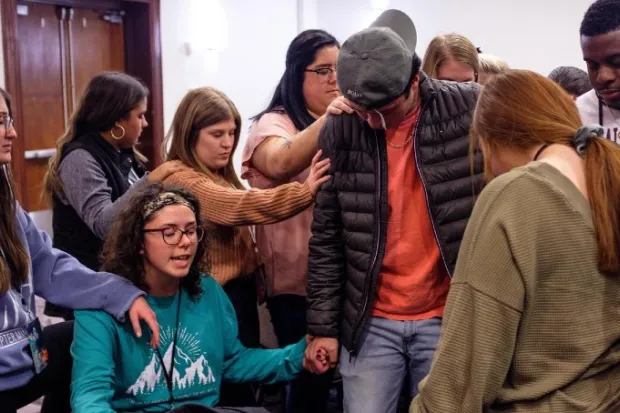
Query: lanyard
<point x="168" y="373"/>
<point x="601" y="106"/>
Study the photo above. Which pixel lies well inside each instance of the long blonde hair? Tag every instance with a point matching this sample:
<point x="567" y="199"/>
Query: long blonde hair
<point x="450" y="46"/>
<point x="108" y="98"/>
<point x="492" y="64"/>
<point x="200" y="108"/>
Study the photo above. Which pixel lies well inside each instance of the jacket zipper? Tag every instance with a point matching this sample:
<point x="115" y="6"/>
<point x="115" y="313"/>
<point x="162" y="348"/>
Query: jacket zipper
<point x="378" y="207"/>
<point x="375" y="256"/>
<point x="428" y="206"/>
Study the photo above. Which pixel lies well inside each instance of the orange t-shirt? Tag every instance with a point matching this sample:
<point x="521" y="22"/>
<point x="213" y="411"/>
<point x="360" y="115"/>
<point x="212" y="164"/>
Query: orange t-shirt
<point x="413" y="282"/>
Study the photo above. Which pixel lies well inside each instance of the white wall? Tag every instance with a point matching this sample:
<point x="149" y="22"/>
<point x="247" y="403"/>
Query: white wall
<point x="250" y="43"/>
<point x="530" y="34"/>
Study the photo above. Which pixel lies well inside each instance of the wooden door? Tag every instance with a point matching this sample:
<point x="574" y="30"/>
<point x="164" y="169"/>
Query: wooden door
<point x="97" y="44"/>
<point x="40" y="34"/>
<point x="60" y="50"/>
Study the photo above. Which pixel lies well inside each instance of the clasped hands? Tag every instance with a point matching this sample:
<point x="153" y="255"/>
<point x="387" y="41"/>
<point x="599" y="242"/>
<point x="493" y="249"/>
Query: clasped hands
<point x="321" y="354"/>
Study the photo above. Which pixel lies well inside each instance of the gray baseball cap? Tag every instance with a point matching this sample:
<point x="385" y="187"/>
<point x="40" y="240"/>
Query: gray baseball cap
<point x="375" y="64"/>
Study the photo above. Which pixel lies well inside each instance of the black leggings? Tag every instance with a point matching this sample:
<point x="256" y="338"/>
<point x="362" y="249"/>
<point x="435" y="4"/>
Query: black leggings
<point x="54" y="382"/>
<point x="242" y="294"/>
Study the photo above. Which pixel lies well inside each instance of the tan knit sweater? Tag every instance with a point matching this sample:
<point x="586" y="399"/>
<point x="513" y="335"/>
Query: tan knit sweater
<point x="530" y="324"/>
<point x="230" y="211"/>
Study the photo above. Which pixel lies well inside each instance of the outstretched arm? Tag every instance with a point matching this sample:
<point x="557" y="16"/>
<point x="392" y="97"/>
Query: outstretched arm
<point x="281" y="154"/>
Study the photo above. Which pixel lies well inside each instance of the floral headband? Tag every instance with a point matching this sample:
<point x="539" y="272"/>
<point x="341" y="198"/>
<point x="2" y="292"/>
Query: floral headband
<point x="162" y="200"/>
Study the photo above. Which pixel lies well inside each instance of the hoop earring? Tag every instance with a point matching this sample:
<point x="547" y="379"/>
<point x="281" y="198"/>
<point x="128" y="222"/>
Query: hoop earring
<point x="117" y="137"/>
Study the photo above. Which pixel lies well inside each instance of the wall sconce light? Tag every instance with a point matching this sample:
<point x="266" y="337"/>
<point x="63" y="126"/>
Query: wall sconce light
<point x="207" y="27"/>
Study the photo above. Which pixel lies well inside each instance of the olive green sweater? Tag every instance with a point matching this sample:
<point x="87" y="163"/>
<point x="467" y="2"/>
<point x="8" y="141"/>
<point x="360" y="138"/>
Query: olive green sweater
<point x="530" y="325"/>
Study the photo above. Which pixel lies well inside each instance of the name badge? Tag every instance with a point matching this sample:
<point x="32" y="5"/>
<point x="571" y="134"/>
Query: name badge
<point x="37" y="346"/>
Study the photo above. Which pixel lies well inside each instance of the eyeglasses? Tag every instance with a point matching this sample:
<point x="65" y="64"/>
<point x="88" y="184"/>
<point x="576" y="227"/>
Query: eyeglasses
<point x="323" y="73"/>
<point x="172" y="236"/>
<point x="7" y="122"/>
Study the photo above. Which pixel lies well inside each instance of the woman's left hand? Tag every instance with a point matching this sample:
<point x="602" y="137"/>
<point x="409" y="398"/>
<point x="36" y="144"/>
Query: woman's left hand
<point x="317" y="176"/>
<point x="141" y="311"/>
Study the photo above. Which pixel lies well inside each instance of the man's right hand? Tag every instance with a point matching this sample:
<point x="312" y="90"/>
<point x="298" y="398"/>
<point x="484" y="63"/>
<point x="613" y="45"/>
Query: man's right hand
<point x="314" y="363"/>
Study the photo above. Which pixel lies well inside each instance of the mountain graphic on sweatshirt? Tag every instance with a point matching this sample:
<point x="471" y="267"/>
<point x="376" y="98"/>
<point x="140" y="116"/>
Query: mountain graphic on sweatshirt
<point x="194" y="372"/>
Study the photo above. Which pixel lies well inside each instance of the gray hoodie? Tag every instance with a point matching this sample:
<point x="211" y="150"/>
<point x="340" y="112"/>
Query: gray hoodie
<point x="60" y="279"/>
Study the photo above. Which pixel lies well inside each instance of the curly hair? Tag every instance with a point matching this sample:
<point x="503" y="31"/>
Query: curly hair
<point x="121" y="250"/>
<point x="603" y="16"/>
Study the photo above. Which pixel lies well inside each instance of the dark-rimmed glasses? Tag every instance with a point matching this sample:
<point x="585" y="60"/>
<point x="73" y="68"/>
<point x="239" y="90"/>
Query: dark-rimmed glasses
<point x="172" y="235"/>
<point x="323" y="73"/>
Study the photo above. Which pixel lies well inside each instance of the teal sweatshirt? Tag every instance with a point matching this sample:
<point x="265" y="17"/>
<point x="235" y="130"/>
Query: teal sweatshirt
<point x="113" y="371"/>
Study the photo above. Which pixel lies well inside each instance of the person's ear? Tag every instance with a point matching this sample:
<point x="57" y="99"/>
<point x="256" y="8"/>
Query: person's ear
<point x="415" y="82"/>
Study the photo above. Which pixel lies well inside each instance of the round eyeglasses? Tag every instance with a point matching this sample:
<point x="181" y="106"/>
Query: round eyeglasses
<point x="172" y="235"/>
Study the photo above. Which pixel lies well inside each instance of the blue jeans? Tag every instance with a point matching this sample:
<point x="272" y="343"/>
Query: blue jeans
<point x="389" y="352"/>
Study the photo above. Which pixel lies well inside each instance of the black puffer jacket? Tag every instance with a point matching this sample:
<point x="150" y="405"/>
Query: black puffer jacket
<point x="351" y="210"/>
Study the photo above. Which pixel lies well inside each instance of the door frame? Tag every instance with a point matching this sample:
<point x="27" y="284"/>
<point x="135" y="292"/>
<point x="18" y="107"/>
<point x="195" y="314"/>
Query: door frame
<point x="143" y="59"/>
